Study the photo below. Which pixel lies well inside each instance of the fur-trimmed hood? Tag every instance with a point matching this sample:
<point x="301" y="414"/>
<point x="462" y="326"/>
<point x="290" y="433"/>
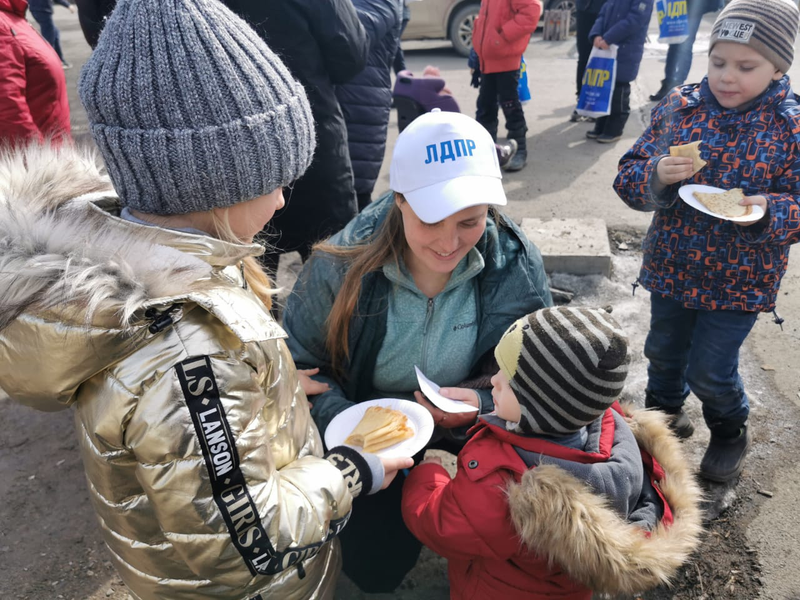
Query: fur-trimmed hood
<point x="77" y="280"/>
<point x="559" y="517"/>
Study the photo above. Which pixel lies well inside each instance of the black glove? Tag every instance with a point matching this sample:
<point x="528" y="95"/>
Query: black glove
<point x="476" y="78"/>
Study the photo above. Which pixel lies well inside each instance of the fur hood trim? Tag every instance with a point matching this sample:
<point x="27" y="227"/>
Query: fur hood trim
<point x="560" y="518"/>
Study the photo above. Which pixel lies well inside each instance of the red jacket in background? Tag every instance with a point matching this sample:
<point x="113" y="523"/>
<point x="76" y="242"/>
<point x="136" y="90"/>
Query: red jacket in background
<point x="502" y="32"/>
<point x="510" y="532"/>
<point x="33" y="89"/>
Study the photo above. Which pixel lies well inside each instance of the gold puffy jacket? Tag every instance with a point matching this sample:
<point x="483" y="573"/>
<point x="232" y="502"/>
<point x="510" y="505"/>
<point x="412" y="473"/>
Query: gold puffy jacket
<point x="202" y="460"/>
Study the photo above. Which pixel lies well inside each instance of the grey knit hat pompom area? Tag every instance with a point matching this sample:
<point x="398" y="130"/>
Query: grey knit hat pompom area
<point x="190" y="108"/>
<point x="768" y="26"/>
<point x="565" y="365"/>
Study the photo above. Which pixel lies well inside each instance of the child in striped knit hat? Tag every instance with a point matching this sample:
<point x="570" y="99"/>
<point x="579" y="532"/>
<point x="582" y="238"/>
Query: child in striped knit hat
<point x="600" y="497"/>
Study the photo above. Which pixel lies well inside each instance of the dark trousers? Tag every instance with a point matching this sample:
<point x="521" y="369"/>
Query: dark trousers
<point x="614" y="123"/>
<point x="49" y="30"/>
<point x="679" y="56"/>
<point x="698" y="350"/>
<point x="501" y="89"/>
<point x="584" y="20"/>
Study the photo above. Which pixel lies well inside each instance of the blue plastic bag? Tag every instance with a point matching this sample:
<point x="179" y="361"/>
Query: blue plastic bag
<point x="673" y="21"/>
<point x="597" y="86"/>
<point x="522" y="85"/>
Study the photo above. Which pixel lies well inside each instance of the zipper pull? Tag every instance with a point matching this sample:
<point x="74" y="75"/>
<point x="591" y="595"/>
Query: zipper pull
<point x="634" y="285"/>
<point x="776" y="318"/>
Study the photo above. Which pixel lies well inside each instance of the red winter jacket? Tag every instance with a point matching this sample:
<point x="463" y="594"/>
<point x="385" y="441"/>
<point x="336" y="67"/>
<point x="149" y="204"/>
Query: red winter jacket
<point x="499" y="523"/>
<point x="33" y="89"/>
<point x="502" y="32"/>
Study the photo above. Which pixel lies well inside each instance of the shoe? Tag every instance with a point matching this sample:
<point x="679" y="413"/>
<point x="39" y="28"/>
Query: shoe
<point x="66" y="65"/>
<point x="666" y="86"/>
<point x="724" y="457"/>
<point x="678" y="421"/>
<point x="592" y="134"/>
<point x="505" y="152"/>
<point x="578" y="118"/>
<point x="608" y="139"/>
<point x="518" y="161"/>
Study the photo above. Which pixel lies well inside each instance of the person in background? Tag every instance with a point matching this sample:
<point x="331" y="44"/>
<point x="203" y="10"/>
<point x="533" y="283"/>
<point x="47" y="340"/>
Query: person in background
<point x="679" y="56"/>
<point x="143" y="307"/>
<point x="560" y="492"/>
<point x="366" y="99"/>
<point x="33" y="89"/>
<point x="42" y="11"/>
<point x="92" y="15"/>
<point x="585" y="15"/>
<point x="623" y="23"/>
<point x="501" y="33"/>
<point x="400" y="59"/>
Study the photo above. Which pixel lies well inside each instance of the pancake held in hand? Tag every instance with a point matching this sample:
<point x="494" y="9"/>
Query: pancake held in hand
<point x="689" y="151"/>
<point x="725" y="203"/>
<point x="380" y="428"/>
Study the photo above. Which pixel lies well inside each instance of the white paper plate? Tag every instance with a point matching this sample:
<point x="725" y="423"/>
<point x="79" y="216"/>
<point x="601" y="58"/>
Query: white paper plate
<point x="687" y="195"/>
<point x="420" y="420"/>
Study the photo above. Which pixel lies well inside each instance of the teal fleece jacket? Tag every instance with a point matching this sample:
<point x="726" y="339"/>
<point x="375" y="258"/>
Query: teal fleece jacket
<point x="511" y="284"/>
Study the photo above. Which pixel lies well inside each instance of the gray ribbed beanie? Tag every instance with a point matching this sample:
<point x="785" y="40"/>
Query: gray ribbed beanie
<point x="190" y="108"/>
<point x="767" y="26"/>
<point x="565" y="365"/>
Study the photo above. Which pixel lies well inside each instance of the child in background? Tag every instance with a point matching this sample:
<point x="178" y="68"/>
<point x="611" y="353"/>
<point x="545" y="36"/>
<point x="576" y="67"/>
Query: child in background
<point x="709" y="278"/>
<point x="500" y="36"/>
<point x="600" y="499"/>
<point x="624" y="23"/>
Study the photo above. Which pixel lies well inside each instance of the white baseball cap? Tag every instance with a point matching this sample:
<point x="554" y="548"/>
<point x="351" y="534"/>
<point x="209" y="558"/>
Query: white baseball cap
<point x="444" y="162"/>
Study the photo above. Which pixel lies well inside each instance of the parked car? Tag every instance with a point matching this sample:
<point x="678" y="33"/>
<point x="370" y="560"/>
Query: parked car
<point x="453" y="20"/>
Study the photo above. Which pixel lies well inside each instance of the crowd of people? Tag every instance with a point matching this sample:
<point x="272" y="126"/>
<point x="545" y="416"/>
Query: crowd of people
<point x="138" y="291"/>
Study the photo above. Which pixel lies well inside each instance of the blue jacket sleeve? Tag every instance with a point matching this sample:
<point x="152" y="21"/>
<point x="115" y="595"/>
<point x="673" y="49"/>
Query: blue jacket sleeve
<point x="473" y="62"/>
<point x="307" y="309"/>
<point x="380" y="19"/>
<point x="600" y="22"/>
<point x="637" y="167"/>
<point x="635" y="20"/>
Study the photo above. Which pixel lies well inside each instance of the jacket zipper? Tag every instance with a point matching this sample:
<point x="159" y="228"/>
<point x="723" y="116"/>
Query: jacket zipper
<point x="428" y="318"/>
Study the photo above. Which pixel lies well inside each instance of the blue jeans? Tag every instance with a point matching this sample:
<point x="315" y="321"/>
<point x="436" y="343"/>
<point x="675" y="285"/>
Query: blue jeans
<point x="698" y="350"/>
<point x="679" y="56"/>
<point x="49" y="30"/>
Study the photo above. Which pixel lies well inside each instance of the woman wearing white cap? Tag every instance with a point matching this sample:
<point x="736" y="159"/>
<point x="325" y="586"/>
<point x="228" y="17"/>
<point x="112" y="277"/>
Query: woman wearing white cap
<point x="428" y="275"/>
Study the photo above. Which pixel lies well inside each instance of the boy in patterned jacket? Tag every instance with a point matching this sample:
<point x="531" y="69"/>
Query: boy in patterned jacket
<point x="709" y="278"/>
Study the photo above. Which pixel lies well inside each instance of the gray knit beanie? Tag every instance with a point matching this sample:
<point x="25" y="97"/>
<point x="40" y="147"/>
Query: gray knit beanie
<point x="565" y="365"/>
<point x="190" y="108"/>
<point x="767" y="26"/>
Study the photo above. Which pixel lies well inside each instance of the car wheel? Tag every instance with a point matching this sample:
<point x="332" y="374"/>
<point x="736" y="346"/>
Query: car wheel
<point x="569" y="5"/>
<point x="461" y="28"/>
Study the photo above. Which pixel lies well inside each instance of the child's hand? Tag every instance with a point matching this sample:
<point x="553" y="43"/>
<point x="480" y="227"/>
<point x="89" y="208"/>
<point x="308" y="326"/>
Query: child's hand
<point x="392" y="465"/>
<point x="451" y="420"/>
<point x="310" y="386"/>
<point x="672" y="169"/>
<point x="599" y="42"/>
<point x="755" y="201"/>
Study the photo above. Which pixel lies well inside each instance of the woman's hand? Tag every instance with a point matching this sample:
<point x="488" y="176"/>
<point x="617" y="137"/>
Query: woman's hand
<point x="310" y="386"/>
<point x="450" y="420"/>
<point x="755" y="201"/>
<point x="391" y="466"/>
<point x="599" y="42"/>
<point x="672" y="169"/>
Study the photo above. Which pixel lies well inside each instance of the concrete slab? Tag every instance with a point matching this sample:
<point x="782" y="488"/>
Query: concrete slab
<point x="574" y="246"/>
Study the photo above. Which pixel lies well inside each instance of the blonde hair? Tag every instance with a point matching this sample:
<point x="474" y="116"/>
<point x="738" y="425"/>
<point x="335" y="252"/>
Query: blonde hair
<point x="252" y="271"/>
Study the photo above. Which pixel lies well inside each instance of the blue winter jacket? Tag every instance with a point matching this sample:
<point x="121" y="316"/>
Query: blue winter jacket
<point x="366" y="99"/>
<point x="511" y="284"/>
<point x="624" y="23"/>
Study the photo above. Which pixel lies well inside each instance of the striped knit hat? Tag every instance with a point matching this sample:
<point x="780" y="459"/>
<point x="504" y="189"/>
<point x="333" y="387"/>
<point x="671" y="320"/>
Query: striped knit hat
<point x="565" y="365"/>
<point x="767" y="26"/>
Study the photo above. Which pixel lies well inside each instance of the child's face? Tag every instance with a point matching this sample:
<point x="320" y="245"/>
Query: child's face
<point x="247" y="219"/>
<point x="737" y="74"/>
<point x="505" y="400"/>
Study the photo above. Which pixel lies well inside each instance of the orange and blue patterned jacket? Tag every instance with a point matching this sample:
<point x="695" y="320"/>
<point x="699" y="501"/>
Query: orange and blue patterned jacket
<point x="702" y="261"/>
